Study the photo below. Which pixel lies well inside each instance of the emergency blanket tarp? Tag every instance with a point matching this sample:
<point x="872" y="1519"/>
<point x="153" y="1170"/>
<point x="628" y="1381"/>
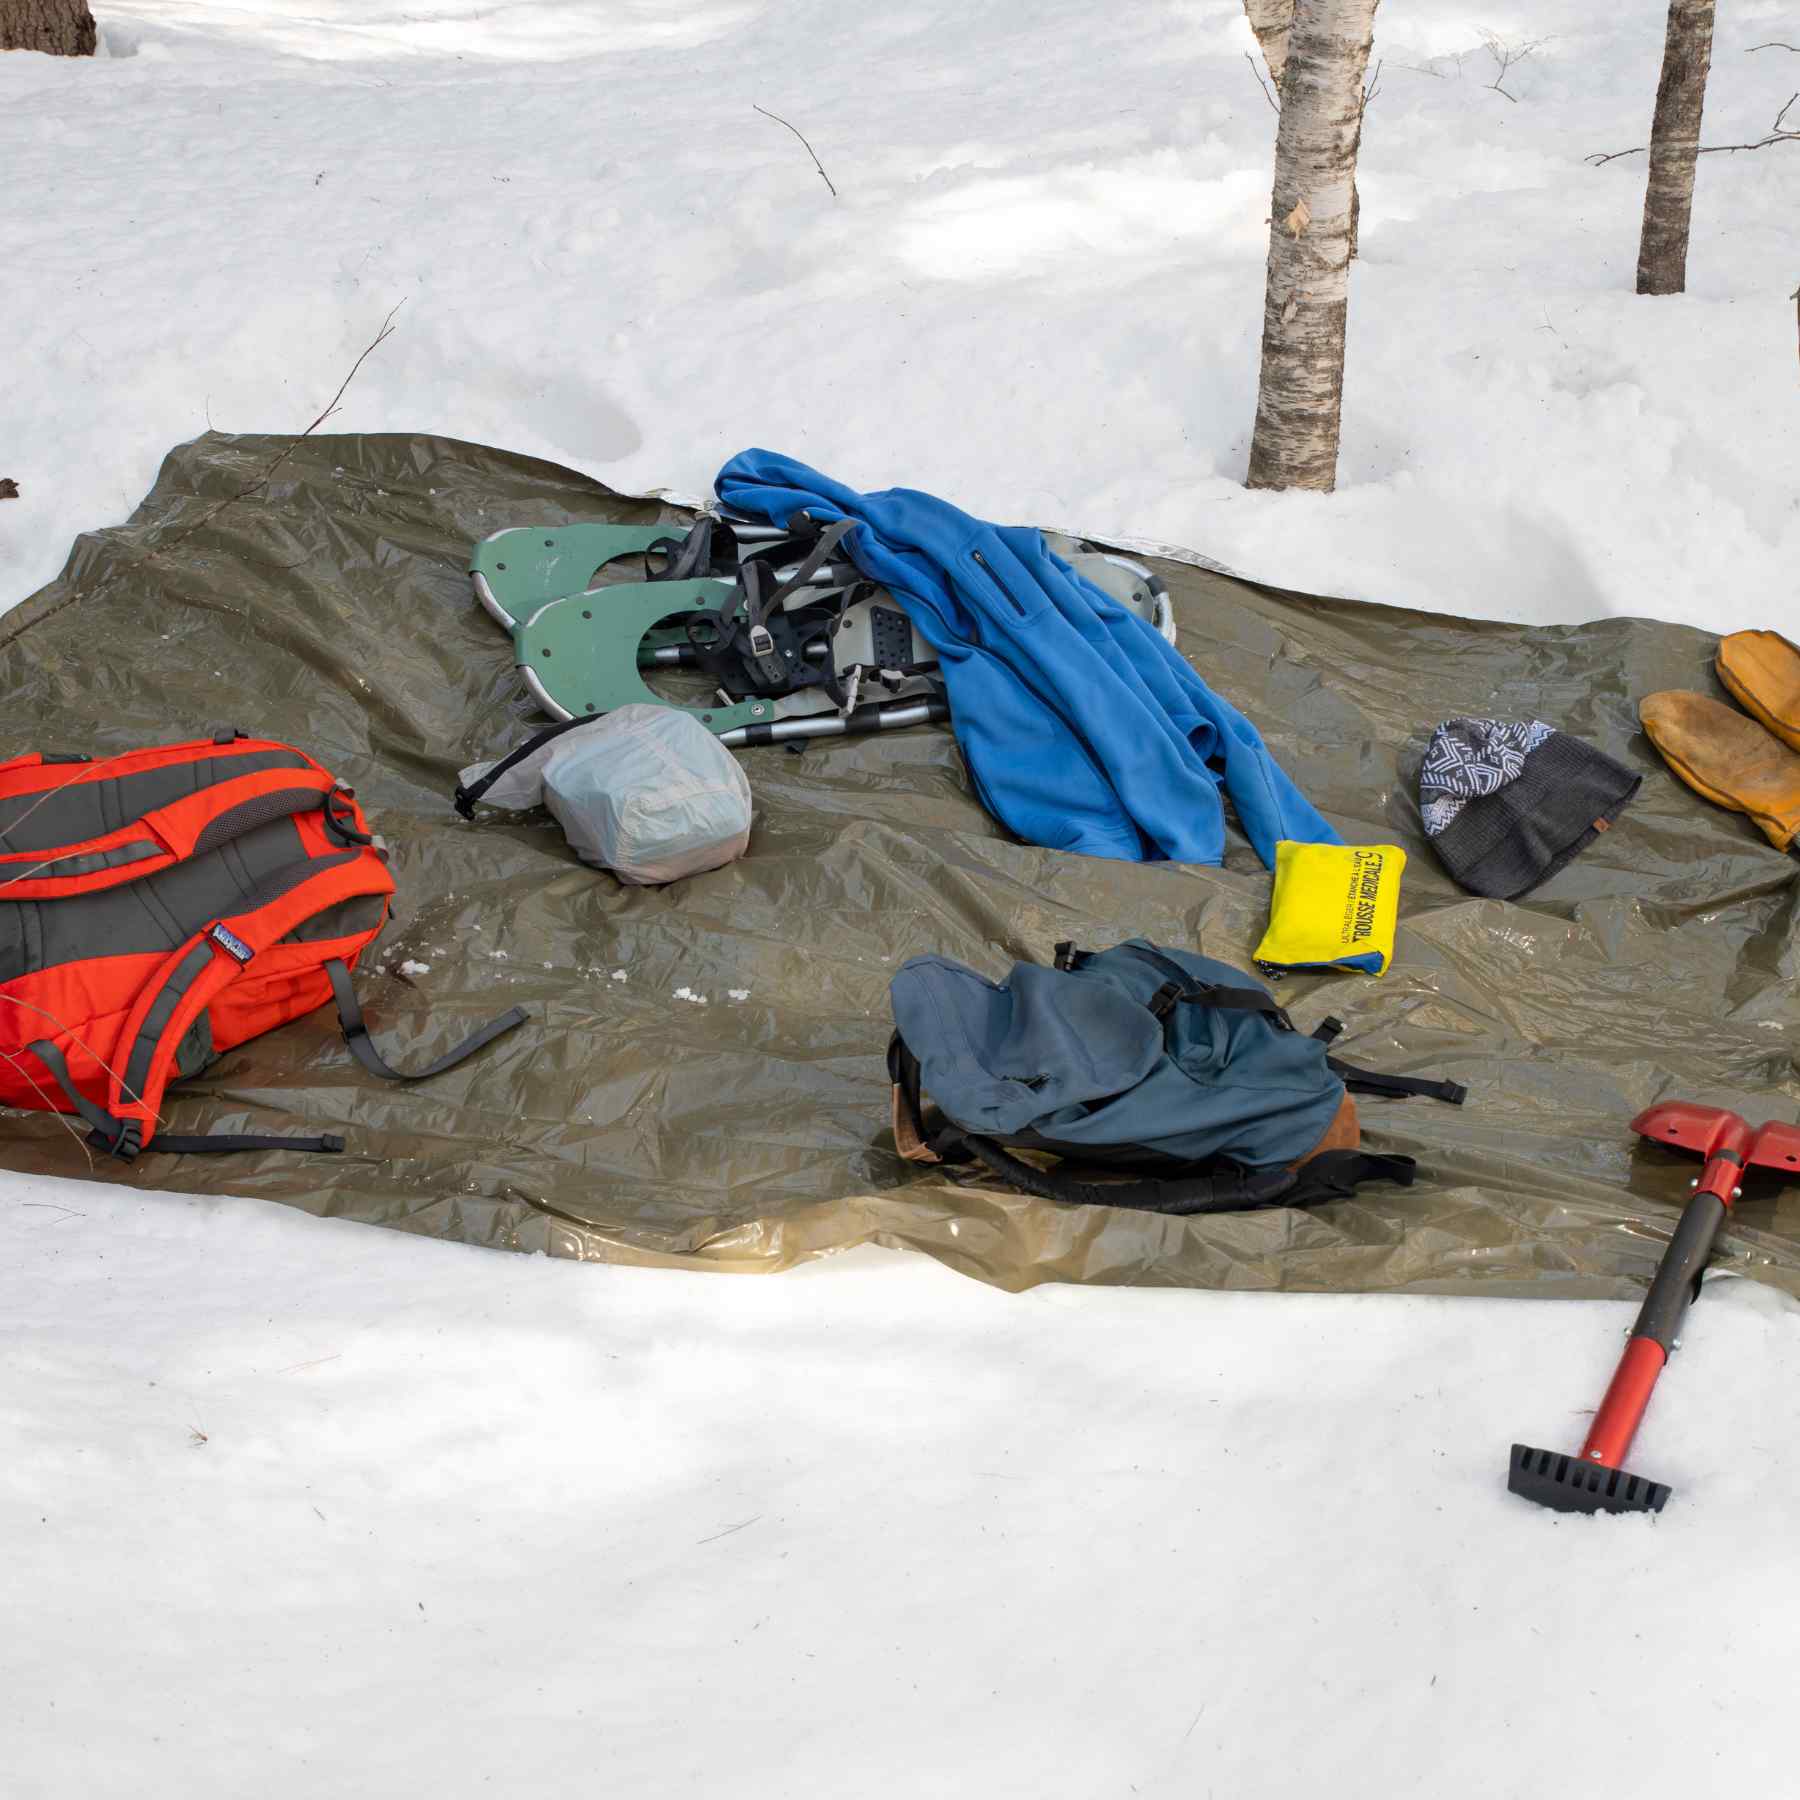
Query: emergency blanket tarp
<point x="702" y="1082"/>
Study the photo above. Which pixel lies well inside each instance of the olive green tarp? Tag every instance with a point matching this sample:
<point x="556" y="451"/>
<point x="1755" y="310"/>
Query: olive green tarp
<point x="747" y="1127"/>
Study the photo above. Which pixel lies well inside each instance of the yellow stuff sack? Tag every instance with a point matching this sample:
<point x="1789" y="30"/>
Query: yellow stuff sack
<point x="1335" y="906"/>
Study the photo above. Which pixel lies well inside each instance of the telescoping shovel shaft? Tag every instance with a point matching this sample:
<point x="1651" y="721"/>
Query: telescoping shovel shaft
<point x="1596" y="1480"/>
<point x="888" y="715"/>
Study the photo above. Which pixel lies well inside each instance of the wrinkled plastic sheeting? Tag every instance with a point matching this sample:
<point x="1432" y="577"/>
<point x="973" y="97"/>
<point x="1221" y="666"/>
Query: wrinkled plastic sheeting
<point x="702" y="1082"/>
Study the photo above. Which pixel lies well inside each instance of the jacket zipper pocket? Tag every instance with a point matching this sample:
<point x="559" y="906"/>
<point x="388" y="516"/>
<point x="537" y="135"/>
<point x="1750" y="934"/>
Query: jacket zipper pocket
<point x="1006" y="593"/>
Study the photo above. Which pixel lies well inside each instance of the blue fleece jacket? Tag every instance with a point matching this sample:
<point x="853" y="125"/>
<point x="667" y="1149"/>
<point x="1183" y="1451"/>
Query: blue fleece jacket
<point x="1083" y="730"/>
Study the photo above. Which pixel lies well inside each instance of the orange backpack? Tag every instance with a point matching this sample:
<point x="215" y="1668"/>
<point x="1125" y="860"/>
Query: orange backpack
<point x="159" y="907"/>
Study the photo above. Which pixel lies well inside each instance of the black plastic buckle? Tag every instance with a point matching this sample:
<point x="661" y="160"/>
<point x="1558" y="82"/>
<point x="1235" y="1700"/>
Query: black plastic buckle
<point x="124" y="1143"/>
<point x="1162" y="1002"/>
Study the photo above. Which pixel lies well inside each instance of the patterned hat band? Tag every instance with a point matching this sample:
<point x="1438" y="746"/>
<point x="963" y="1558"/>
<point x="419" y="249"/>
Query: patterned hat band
<point x="1469" y="758"/>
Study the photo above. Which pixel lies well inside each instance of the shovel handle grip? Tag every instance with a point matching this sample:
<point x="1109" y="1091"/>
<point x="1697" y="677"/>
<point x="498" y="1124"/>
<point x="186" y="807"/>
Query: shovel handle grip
<point x="1616" y="1423"/>
<point x="1671" y="1293"/>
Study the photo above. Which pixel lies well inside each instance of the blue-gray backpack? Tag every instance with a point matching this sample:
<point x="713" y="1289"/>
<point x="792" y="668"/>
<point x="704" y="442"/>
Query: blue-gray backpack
<point x="1136" y="1061"/>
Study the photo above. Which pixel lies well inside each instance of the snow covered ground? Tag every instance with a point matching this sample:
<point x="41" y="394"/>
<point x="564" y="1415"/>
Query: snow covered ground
<point x="1038" y="290"/>
<point x="467" y="1524"/>
<point x="300" y="1507"/>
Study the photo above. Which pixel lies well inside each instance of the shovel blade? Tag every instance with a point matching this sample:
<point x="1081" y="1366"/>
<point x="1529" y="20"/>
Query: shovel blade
<point x="1777" y="1146"/>
<point x="1567" y="1484"/>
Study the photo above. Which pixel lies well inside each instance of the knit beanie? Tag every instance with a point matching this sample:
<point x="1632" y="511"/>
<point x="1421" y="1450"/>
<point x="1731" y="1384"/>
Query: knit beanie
<point x="1508" y="802"/>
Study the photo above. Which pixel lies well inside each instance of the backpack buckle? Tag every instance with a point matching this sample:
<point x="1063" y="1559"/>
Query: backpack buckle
<point x="124" y="1141"/>
<point x="1162" y="1002"/>
<point x="761" y="642"/>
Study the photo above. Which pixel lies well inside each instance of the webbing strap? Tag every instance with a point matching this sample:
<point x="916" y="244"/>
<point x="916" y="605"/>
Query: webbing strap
<point x="1333" y="1175"/>
<point x="1181" y="990"/>
<point x="1371" y="1081"/>
<point x="1229" y="999"/>
<point x="466" y="797"/>
<point x="362" y="1046"/>
<point x="123" y="1138"/>
<point x="120" y="1137"/>
<point x="1232" y="1190"/>
<point x="758" y="606"/>
<point x="688" y="558"/>
<point x="222" y="1143"/>
<point x="199" y="959"/>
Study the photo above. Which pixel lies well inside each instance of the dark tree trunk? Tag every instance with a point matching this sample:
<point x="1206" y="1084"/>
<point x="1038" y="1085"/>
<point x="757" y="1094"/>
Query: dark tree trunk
<point x="1674" y="148"/>
<point x="61" y="27"/>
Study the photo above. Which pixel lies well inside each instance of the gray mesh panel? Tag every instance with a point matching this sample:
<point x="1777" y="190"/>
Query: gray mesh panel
<point x="260" y="810"/>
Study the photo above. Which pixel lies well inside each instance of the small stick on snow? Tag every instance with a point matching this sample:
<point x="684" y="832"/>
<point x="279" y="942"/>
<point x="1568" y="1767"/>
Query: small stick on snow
<point x="1777" y="45"/>
<point x="262" y="481"/>
<point x="810" y="151"/>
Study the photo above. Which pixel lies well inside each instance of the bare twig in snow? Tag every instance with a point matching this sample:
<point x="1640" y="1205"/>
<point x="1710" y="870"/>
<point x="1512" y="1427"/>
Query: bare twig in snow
<point x="1374" y="86"/>
<point x="742" y="1525"/>
<point x="1774" y="46"/>
<point x="263" y="480"/>
<point x="1254" y="70"/>
<point x="1779" y="133"/>
<point x="810" y="151"/>
<point x="196" y="1437"/>
<point x="1507" y="56"/>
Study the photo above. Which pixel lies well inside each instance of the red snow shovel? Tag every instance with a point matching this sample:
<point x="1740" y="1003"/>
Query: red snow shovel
<point x="1596" y="1481"/>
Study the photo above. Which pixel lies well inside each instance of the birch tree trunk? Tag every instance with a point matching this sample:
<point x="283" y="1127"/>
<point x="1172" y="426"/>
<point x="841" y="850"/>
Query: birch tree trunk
<point x="1301" y="391"/>
<point x="61" y="27"/>
<point x="1674" y="148"/>
<point x="1271" y="20"/>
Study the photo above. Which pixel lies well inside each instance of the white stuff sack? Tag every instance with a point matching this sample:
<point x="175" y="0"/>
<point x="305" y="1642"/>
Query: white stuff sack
<point x="646" y="791"/>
